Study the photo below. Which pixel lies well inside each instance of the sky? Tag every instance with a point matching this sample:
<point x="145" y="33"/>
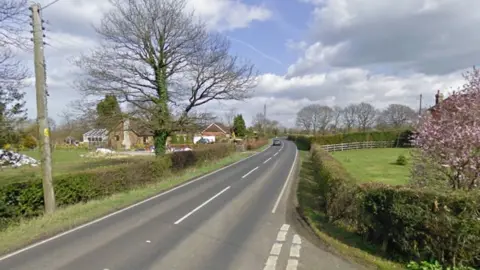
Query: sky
<point x="329" y="52"/>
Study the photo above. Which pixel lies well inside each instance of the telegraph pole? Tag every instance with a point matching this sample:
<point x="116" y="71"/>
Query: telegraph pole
<point x="265" y="119"/>
<point x="42" y="118"/>
<point x="420" y="107"/>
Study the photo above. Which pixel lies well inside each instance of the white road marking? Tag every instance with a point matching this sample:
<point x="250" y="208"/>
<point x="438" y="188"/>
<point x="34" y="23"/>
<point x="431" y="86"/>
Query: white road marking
<point x="148" y="241"/>
<point x="125" y="209"/>
<point x="276" y="248"/>
<point x="286" y="183"/>
<point x="297" y="240"/>
<point x="285" y="227"/>
<point x="275" y="154"/>
<point x="292" y="264"/>
<point x="271" y="263"/>
<point x="295" y="250"/>
<point x="267" y="160"/>
<point x="250" y="172"/>
<point x="201" y="205"/>
<point x="281" y="236"/>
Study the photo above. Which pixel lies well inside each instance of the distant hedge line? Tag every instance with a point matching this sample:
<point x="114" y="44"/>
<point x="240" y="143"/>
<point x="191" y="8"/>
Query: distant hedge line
<point x="401" y="138"/>
<point x="25" y="199"/>
<point x="407" y="224"/>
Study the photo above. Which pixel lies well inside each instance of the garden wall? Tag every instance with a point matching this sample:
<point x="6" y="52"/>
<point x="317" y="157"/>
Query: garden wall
<point x="25" y="199"/>
<point x="405" y="224"/>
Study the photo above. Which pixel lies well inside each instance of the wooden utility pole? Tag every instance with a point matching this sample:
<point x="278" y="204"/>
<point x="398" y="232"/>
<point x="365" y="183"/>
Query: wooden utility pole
<point x="420" y="107"/>
<point x="42" y="117"/>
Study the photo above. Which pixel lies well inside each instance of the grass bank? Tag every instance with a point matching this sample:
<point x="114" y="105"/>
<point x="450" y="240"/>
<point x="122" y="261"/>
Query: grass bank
<point x="32" y="230"/>
<point x="376" y="165"/>
<point x="345" y="242"/>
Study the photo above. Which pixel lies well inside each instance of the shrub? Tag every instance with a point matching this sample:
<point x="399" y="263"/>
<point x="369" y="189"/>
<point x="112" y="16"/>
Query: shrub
<point x="434" y="266"/>
<point x="25" y="199"/>
<point x="409" y="224"/>
<point x="401" y="160"/>
<point x="401" y="138"/>
<point x="255" y="144"/>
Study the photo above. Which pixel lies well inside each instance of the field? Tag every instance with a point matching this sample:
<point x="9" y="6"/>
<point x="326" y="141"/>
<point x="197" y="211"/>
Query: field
<point x="63" y="161"/>
<point x="376" y="165"/>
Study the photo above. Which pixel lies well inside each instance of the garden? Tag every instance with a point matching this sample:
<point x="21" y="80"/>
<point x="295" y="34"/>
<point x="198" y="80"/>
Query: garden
<point x="415" y="205"/>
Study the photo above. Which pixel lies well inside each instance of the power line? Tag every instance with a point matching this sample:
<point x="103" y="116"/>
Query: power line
<point x="49" y="4"/>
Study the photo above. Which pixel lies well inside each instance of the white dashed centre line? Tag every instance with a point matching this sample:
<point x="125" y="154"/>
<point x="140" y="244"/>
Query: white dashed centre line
<point x="267" y="160"/>
<point x="275" y="154"/>
<point x="276" y="248"/>
<point x="201" y="205"/>
<point x="250" y="172"/>
<point x="285" y="227"/>
<point x="281" y="236"/>
<point x="271" y="263"/>
<point x="292" y="264"/>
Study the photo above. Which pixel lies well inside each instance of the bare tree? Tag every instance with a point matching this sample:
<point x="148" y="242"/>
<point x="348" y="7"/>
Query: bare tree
<point x="315" y="117"/>
<point x="365" y="114"/>
<point x="336" y="117"/>
<point x="304" y="119"/>
<point x="229" y="116"/>
<point x="323" y="117"/>
<point x="12" y="73"/>
<point x="398" y="115"/>
<point x="349" y="115"/>
<point x="156" y="56"/>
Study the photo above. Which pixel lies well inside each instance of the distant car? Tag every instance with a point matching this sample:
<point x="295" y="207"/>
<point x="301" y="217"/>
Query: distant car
<point x="277" y="142"/>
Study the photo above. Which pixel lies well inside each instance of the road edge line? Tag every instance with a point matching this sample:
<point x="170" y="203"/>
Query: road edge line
<point x="77" y="228"/>
<point x="286" y="182"/>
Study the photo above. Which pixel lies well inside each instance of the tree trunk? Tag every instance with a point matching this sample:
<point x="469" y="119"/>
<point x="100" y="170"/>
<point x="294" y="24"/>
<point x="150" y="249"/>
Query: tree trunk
<point x="160" y="139"/>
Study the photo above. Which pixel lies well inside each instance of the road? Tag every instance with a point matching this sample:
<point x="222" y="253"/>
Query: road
<point x="232" y="219"/>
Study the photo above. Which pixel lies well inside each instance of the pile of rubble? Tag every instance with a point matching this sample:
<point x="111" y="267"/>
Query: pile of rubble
<point x="15" y="160"/>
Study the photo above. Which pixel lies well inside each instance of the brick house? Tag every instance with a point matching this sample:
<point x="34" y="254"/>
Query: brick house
<point x="217" y="130"/>
<point x="128" y="133"/>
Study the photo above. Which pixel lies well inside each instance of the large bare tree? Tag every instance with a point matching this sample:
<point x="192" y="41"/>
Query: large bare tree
<point x="314" y="117"/>
<point x="398" y="115"/>
<point x="336" y="117"/>
<point x="349" y="116"/>
<point x="155" y="55"/>
<point x="365" y="115"/>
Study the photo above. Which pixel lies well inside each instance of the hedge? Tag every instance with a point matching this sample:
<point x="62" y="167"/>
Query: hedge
<point x="25" y="199"/>
<point x="255" y="144"/>
<point x="401" y="138"/>
<point x="407" y="224"/>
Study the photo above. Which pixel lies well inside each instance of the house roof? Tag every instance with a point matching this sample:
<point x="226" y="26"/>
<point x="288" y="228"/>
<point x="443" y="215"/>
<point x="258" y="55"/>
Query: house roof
<point x="96" y="132"/>
<point x="219" y="126"/>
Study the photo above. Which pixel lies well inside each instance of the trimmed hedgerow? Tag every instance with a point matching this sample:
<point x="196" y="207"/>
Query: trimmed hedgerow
<point x="400" y="137"/>
<point x="20" y="200"/>
<point x="405" y="223"/>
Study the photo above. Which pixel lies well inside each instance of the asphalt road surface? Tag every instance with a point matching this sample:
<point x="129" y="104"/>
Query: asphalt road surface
<point x="232" y="219"/>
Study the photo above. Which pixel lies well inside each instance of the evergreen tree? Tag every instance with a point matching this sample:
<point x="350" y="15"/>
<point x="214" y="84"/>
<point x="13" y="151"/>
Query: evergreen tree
<point x="108" y="112"/>
<point x="239" y="126"/>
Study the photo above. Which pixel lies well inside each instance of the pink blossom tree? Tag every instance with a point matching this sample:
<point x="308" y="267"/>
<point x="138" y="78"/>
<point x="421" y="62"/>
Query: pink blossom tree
<point x="448" y="136"/>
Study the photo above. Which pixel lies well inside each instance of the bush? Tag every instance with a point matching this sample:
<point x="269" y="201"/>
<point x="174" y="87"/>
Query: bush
<point x="401" y="160"/>
<point x="401" y="137"/>
<point x="408" y="224"/>
<point x="255" y="144"/>
<point x="25" y="199"/>
<point x="434" y="266"/>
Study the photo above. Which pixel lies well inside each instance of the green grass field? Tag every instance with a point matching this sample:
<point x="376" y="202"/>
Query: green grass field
<point x="64" y="161"/>
<point x="376" y="165"/>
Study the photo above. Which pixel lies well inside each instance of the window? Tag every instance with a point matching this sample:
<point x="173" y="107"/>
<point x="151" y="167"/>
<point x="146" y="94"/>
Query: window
<point x="145" y="139"/>
<point x="117" y="138"/>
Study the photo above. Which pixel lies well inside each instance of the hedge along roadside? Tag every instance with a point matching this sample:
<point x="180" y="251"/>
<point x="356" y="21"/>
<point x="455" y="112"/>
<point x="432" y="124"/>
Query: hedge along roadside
<point x="25" y="200"/>
<point x="400" y="137"/>
<point x="407" y="224"/>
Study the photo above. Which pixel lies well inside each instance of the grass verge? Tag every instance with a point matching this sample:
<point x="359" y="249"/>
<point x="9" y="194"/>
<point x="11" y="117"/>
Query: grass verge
<point x="375" y="165"/>
<point x="32" y="230"/>
<point x="340" y="239"/>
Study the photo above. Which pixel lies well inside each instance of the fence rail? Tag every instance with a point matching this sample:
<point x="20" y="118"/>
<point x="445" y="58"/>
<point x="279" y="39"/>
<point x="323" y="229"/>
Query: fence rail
<point x="357" y="145"/>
